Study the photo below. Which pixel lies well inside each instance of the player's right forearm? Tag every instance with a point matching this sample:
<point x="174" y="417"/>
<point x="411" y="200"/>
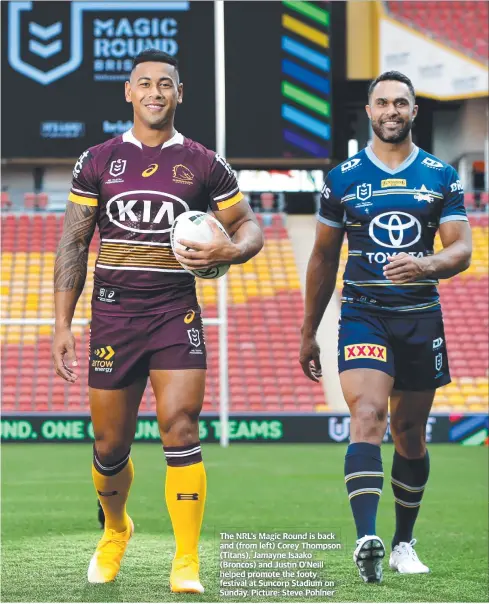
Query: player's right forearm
<point x="320" y="285"/>
<point x="70" y="272"/>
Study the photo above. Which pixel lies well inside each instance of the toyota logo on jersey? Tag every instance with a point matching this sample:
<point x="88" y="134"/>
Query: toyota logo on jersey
<point x="395" y="229"/>
<point x="145" y="211"/>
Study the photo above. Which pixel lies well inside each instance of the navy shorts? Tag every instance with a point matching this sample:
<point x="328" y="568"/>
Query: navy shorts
<point x="124" y="349"/>
<point x="410" y="349"/>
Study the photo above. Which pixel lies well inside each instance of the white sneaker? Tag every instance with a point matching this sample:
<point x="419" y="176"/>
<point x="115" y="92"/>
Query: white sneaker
<point x="405" y="560"/>
<point x="368" y="557"/>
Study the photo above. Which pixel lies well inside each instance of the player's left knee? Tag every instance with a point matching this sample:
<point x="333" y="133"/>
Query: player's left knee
<point x="409" y="439"/>
<point x="180" y="429"/>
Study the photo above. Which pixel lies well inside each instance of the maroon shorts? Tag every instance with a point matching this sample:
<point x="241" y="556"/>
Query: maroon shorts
<point x="123" y="349"/>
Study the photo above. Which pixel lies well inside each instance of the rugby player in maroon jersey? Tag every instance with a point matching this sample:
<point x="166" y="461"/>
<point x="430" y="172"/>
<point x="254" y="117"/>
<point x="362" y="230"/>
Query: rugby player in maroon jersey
<point x="145" y="317"/>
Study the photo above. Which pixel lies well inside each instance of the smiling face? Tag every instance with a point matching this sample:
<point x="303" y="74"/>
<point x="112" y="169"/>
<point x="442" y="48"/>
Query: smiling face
<point x="154" y="91"/>
<point x="391" y="110"/>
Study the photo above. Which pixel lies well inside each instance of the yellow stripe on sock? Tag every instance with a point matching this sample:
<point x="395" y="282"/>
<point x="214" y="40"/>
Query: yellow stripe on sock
<point x="364" y="493"/>
<point x="405" y="504"/>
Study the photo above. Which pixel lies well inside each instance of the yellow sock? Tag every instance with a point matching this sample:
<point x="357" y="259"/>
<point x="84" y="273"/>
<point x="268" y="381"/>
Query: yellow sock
<point x="185" y="492"/>
<point x="112" y="485"/>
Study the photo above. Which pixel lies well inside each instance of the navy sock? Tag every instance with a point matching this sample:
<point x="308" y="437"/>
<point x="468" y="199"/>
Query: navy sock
<point x="364" y="479"/>
<point x="409" y="478"/>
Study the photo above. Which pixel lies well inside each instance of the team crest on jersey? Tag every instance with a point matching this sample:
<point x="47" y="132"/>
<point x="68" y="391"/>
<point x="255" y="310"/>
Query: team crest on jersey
<point x="117" y="167"/>
<point x="364" y="191"/>
<point x="182" y="175"/>
<point x="424" y="195"/>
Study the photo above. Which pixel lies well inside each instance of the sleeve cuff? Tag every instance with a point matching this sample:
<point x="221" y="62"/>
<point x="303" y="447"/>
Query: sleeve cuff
<point x="84" y="201"/>
<point x="459" y="217"/>
<point x="331" y="223"/>
<point x="227" y="203"/>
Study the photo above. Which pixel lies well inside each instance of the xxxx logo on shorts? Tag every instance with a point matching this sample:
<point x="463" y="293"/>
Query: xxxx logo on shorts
<point x="366" y="351"/>
<point x="189" y="317"/>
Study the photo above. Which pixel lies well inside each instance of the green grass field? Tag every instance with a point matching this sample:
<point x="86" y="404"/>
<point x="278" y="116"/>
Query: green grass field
<point x="49" y="527"/>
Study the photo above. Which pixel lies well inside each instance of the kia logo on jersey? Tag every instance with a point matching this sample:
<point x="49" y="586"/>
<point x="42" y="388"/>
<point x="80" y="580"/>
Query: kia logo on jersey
<point x="145" y="211"/>
<point x="395" y="229"/>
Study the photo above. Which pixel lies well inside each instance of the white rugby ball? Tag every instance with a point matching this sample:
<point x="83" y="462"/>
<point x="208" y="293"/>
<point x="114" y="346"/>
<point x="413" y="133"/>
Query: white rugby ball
<point x="194" y="226"/>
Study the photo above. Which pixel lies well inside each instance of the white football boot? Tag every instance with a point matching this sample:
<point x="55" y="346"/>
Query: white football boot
<point x="368" y="557"/>
<point x="405" y="560"/>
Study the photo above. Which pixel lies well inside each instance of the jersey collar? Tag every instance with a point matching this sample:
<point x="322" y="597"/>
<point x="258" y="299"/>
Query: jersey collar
<point x="176" y="139"/>
<point x="405" y="164"/>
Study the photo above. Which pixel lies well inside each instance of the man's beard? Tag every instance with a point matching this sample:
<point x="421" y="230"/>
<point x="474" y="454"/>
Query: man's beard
<point x="395" y="137"/>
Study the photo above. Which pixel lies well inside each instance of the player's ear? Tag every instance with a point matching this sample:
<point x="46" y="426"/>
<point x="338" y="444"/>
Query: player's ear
<point x="180" y="93"/>
<point x="369" y="111"/>
<point x="127" y="91"/>
<point x="415" y="111"/>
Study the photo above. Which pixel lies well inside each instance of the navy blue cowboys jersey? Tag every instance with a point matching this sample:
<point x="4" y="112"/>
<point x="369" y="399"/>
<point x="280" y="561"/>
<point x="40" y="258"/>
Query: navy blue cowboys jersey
<point x="385" y="212"/>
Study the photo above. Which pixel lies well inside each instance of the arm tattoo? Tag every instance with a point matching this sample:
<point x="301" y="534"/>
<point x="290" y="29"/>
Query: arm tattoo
<point x="70" y="269"/>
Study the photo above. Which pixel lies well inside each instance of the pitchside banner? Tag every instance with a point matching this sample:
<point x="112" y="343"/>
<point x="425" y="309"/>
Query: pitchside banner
<point x="314" y="428"/>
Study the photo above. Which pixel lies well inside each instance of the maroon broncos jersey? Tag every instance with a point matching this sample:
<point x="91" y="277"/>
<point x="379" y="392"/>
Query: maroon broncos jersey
<point x="139" y="191"/>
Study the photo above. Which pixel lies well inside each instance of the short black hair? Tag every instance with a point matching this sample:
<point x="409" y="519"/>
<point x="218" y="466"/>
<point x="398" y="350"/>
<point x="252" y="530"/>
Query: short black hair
<point x="154" y="55"/>
<point x="397" y="76"/>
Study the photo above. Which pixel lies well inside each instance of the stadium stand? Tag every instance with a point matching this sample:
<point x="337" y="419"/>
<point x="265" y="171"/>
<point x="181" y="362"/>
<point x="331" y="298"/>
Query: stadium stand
<point x="464" y="300"/>
<point x="5" y="201"/>
<point x="442" y="21"/>
<point x="265" y="312"/>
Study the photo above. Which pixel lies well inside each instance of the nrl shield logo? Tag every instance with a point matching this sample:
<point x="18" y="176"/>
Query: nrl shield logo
<point x="194" y="337"/>
<point x="364" y="191"/>
<point x="39" y="51"/>
<point x="43" y="45"/>
<point x="117" y="167"/>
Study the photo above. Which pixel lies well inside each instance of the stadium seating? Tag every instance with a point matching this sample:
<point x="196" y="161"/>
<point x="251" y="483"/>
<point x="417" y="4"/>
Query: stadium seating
<point x="464" y="300"/>
<point x="264" y="317"/>
<point x="5" y="201"/>
<point x="461" y="25"/>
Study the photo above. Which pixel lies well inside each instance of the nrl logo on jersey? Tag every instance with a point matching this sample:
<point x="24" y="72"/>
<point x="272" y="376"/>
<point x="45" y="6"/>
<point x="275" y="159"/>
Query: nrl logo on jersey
<point x="432" y="163"/>
<point x="424" y="195"/>
<point x="117" y="167"/>
<point x="364" y="191"/>
<point x="349" y="165"/>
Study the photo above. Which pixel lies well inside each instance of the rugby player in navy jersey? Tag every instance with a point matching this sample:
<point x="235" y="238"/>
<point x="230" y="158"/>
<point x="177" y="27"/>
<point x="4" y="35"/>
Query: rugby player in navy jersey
<point x="390" y="198"/>
<point x="145" y="316"/>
